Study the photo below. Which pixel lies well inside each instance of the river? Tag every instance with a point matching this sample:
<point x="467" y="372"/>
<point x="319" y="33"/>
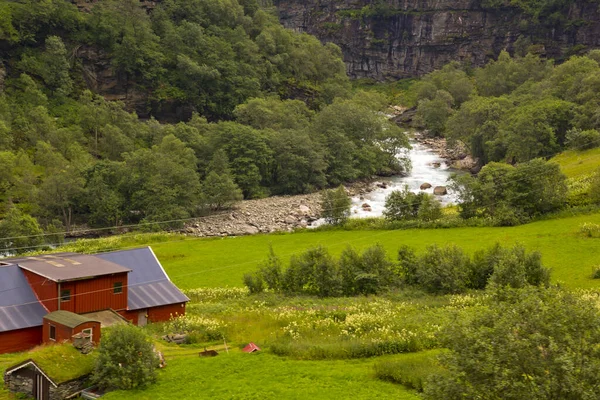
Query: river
<point x="424" y="170"/>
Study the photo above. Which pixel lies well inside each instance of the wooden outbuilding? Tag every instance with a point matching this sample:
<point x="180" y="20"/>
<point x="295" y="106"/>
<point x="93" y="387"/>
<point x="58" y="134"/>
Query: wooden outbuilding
<point x="131" y="283"/>
<point x="60" y="326"/>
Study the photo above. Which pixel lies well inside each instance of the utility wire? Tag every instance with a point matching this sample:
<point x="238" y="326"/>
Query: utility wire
<point x="181" y="275"/>
<point x="501" y="184"/>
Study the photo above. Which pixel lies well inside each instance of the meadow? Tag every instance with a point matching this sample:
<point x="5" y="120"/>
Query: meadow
<point x="362" y="347"/>
<point x="221" y="262"/>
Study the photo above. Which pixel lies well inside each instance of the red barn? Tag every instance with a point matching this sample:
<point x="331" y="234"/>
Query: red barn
<point x="130" y="282"/>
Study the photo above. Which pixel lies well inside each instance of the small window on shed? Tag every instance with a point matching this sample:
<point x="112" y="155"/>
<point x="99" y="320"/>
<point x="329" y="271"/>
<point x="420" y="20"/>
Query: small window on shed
<point x="118" y="287"/>
<point x="52" y="334"/>
<point x="65" y="295"/>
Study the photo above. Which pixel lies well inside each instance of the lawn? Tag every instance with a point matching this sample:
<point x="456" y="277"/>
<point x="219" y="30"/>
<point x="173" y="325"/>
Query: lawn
<point x="221" y="262"/>
<point x="239" y="375"/>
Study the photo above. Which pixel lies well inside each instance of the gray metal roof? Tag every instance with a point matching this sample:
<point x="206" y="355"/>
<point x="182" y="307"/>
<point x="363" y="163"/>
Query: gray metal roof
<point x="149" y="285"/>
<point x="19" y="308"/>
<point x="62" y="267"/>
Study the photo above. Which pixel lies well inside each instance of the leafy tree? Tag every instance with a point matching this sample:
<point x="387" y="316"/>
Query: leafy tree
<point x="126" y="359"/>
<point x="477" y="125"/>
<point x="299" y="163"/>
<point x="539" y="187"/>
<point x="106" y="202"/>
<point x="440" y="270"/>
<point x="249" y="153"/>
<point x="515" y="349"/>
<point x="271" y="272"/>
<point x="19" y="232"/>
<point x="405" y="204"/>
<point x="577" y="139"/>
<point x="161" y="183"/>
<point x="320" y="272"/>
<point x="516" y="269"/>
<point x="504" y="75"/>
<point x="511" y="194"/>
<point x="433" y="114"/>
<point x="218" y="189"/>
<point x="271" y="112"/>
<point x="335" y="205"/>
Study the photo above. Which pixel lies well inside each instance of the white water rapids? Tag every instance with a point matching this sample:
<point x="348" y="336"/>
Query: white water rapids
<point x="424" y="170"/>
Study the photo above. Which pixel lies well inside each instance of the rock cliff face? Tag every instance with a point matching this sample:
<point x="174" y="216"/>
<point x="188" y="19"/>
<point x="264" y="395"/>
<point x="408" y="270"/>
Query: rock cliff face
<point x="390" y="39"/>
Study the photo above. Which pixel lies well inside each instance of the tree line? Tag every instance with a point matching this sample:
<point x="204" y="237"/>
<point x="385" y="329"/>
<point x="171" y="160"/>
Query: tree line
<point x="514" y="109"/>
<point x="439" y="270"/>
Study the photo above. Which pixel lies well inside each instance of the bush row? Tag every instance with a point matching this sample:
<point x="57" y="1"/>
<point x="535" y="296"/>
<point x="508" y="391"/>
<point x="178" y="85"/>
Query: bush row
<point x="439" y="270"/>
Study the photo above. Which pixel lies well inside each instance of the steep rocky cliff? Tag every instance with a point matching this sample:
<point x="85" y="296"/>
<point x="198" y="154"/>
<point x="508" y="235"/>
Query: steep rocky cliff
<point x="384" y="39"/>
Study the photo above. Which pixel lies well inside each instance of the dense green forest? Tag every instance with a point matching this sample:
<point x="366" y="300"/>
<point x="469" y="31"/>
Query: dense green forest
<point x="271" y="112"/>
<point x="515" y="108"/>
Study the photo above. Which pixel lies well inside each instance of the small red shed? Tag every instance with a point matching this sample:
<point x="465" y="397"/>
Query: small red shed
<point x="59" y="326"/>
<point x="251" y="348"/>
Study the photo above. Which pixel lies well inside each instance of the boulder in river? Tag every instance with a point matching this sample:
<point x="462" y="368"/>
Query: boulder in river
<point x="440" y="190"/>
<point x="436" y="164"/>
<point x="425" y="186"/>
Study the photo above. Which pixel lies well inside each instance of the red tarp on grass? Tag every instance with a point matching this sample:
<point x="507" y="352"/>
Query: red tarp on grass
<point x="251" y="348"/>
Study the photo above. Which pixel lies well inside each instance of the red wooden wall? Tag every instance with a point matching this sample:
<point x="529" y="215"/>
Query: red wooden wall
<point x="95" y="294"/>
<point x="131" y="316"/>
<point x="164" y="313"/>
<point x="45" y="290"/>
<point x="20" y="339"/>
<point x="64" y="333"/>
<point x="155" y="314"/>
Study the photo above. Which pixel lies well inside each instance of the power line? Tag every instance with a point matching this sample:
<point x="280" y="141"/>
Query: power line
<point x="181" y="275"/>
<point x="505" y="183"/>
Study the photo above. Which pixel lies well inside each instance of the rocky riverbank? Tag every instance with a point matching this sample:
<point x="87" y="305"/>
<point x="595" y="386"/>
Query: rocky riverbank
<point x="457" y="155"/>
<point x="272" y="214"/>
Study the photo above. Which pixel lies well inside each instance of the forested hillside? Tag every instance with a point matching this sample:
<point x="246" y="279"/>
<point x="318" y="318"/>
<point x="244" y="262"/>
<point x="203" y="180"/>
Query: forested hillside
<point x="515" y="108"/>
<point x="256" y="110"/>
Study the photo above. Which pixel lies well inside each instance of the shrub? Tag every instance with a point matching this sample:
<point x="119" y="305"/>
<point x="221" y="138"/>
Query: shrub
<point x="412" y="370"/>
<point x="482" y="267"/>
<point x="126" y="359"/>
<point x="335" y="205"/>
<point x="315" y="272"/>
<point x="517" y="269"/>
<point x="590" y="230"/>
<point x="254" y="283"/>
<point x="430" y="209"/>
<point x="406" y="205"/>
<point x="596" y="273"/>
<point x="538" y="344"/>
<point x="595" y="188"/>
<point x="443" y="270"/>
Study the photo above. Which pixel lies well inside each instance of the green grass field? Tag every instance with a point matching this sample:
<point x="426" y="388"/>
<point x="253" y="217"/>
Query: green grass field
<point x="239" y="375"/>
<point x="578" y="163"/>
<point x="220" y="262"/>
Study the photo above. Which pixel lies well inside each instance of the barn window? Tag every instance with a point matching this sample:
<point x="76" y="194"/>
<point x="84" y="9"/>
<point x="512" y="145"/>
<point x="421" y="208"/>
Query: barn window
<point x="65" y="295"/>
<point x="118" y="287"/>
<point x="52" y="332"/>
